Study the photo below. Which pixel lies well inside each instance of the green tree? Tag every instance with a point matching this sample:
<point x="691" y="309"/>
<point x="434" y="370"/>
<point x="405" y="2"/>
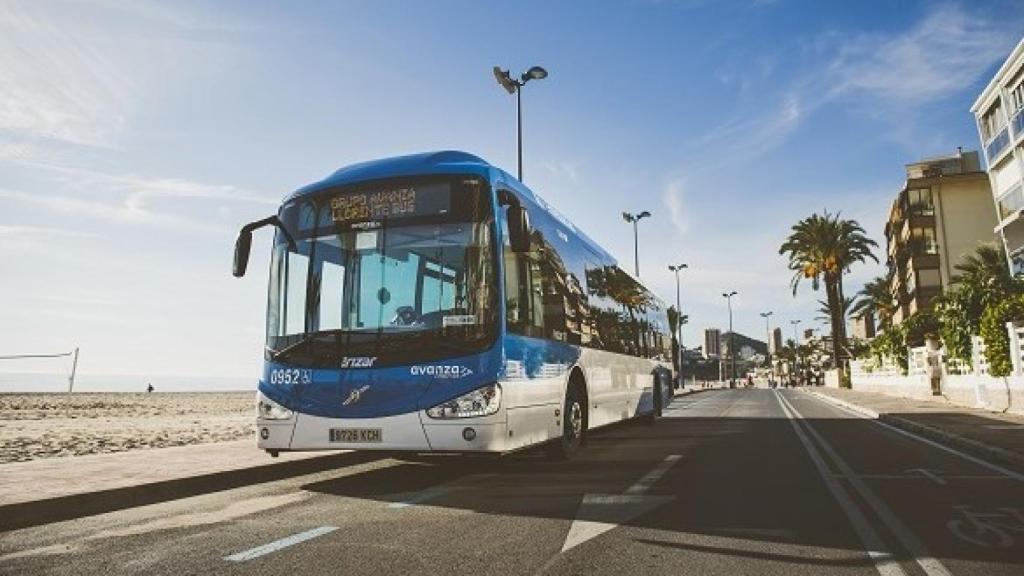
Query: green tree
<point x="821" y="248"/>
<point x="875" y="299"/>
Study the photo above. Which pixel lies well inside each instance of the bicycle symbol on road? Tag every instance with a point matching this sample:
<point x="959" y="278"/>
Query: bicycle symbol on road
<point x="987" y="529"/>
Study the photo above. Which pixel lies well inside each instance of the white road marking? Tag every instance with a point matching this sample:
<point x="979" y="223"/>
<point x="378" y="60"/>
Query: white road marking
<point x="882" y="559"/>
<point x="420" y="497"/>
<point x="924" y="559"/>
<point x="279" y="544"/>
<point x="599" y="513"/>
<point x="644" y="484"/>
<point x="929" y="474"/>
<point x="994" y="467"/>
<point x="687" y="405"/>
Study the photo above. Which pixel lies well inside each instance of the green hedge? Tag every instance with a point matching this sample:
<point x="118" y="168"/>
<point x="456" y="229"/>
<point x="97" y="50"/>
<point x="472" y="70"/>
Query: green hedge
<point x="993" y="332"/>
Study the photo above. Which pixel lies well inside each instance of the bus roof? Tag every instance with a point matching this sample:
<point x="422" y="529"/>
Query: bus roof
<point x="441" y="162"/>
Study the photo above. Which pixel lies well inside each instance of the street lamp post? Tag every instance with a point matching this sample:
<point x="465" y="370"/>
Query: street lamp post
<point x="513" y="86"/>
<point x="635" y="218"/>
<point x="768" y="333"/>
<point x="679" y="321"/>
<point x="732" y="339"/>
<point x="796" y="344"/>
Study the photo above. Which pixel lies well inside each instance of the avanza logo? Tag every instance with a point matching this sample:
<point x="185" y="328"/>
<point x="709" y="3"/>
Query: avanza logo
<point x="358" y="361"/>
<point x="452" y="371"/>
<point x="355" y="395"/>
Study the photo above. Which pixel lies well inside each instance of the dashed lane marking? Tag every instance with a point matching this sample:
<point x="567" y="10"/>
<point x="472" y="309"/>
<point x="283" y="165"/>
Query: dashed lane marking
<point x="420" y="497"/>
<point x="280" y="544"/>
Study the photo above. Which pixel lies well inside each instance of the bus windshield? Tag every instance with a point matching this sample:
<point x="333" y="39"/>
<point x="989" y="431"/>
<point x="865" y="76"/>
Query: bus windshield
<point x="401" y="270"/>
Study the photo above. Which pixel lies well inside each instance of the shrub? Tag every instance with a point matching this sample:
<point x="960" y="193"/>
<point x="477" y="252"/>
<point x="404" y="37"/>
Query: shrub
<point x="993" y="332"/>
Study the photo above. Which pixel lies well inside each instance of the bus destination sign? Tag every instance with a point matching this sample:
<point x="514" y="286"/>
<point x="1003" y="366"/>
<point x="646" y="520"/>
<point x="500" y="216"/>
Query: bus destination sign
<point x="374" y="205"/>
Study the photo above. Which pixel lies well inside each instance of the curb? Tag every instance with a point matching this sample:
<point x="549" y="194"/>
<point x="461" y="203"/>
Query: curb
<point x="984" y="451"/>
<point x="39" y="512"/>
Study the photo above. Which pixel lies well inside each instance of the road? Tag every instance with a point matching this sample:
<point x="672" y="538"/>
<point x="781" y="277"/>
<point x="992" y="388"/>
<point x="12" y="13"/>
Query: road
<point x="728" y="482"/>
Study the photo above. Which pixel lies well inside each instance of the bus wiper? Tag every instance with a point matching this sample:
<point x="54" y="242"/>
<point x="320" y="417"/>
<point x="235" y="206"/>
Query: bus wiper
<point x="305" y="340"/>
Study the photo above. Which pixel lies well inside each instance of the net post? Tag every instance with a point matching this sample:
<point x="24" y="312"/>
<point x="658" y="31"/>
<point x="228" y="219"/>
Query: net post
<point x="71" y="381"/>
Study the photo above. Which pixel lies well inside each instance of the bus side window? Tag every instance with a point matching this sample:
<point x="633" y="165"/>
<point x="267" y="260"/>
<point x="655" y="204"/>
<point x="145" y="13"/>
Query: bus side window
<point x="524" y="294"/>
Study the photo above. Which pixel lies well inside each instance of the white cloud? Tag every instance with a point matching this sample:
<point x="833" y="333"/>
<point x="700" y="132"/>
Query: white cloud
<point x="41" y="232"/>
<point x="673" y="200"/>
<point x="944" y="53"/>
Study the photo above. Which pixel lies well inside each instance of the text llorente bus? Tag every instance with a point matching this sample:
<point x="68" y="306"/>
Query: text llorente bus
<point x="433" y="303"/>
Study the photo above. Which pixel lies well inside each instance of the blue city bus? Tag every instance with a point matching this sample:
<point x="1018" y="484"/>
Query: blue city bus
<point x="433" y="303"/>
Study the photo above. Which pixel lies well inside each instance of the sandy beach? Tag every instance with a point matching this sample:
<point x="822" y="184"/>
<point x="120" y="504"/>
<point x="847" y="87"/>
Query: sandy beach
<point x="41" y="425"/>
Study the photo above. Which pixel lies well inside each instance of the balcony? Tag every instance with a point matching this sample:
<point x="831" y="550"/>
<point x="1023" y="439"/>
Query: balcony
<point x="997" y="144"/>
<point x="1017" y="123"/>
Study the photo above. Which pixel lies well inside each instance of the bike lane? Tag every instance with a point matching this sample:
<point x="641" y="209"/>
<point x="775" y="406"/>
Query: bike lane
<point x="966" y="516"/>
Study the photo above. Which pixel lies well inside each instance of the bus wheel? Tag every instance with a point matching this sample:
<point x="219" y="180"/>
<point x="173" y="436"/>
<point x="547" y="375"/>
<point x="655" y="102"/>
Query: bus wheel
<point x="573" y="427"/>
<point x="649" y="419"/>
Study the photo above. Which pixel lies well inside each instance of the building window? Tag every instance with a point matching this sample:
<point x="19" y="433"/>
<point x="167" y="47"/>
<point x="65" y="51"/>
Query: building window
<point x="1017" y="97"/>
<point x="929" y="278"/>
<point x="1017" y="262"/>
<point x="992" y="121"/>
<point x="919" y="202"/>
<point x="922" y="241"/>
<point x="1010" y="202"/>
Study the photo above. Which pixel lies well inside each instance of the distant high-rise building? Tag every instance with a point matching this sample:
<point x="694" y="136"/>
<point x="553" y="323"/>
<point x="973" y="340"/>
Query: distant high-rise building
<point x="776" y="342"/>
<point x="712" y="343"/>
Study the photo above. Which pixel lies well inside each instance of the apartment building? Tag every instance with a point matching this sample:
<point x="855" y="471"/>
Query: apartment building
<point x="999" y="112"/>
<point x="940" y="216"/>
<point x="712" y="343"/>
<point x="862" y="327"/>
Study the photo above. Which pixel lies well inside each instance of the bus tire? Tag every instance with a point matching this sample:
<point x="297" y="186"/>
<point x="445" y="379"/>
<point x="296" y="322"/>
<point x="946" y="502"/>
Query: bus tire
<point x="655" y="413"/>
<point x="574" y="426"/>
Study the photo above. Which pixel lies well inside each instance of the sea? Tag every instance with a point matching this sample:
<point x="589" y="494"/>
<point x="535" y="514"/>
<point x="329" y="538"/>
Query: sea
<point x="51" y="382"/>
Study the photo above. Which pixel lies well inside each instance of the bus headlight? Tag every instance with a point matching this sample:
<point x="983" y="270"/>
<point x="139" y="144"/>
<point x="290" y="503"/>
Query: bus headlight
<point x="480" y="402"/>
<point x="270" y="410"/>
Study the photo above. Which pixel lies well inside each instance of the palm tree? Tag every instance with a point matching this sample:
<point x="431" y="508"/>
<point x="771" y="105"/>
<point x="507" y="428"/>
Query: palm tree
<point x="824" y="314"/>
<point x="822" y="248"/>
<point x="875" y="299"/>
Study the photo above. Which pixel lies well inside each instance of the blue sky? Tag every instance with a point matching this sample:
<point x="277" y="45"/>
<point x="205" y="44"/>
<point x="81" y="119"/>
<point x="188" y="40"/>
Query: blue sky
<point x="136" y="137"/>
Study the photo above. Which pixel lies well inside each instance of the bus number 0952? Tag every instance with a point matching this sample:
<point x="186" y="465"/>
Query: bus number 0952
<point x="290" y="376"/>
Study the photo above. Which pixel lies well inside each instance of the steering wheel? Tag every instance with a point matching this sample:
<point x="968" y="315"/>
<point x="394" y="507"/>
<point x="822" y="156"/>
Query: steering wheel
<point x="405" y="316"/>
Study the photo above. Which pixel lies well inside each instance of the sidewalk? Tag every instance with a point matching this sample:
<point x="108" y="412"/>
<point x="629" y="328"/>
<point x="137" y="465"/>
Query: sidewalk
<point x="54" y="489"/>
<point x="990" y="435"/>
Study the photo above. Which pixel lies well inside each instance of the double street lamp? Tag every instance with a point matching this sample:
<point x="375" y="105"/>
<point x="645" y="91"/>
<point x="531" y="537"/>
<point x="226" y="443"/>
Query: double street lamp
<point x="513" y="86"/>
<point x="732" y="349"/>
<point x="796" y="345"/>
<point x="679" y="319"/>
<point x="635" y="218"/>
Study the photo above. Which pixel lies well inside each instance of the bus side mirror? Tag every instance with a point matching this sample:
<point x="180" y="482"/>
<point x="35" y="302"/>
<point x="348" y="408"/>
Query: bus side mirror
<point x="518" y="229"/>
<point x="242" y="245"/>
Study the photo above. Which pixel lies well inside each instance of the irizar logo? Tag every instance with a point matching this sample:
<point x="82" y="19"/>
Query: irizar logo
<point x="358" y="361"/>
<point x="453" y="371"/>
<point x="355" y="395"/>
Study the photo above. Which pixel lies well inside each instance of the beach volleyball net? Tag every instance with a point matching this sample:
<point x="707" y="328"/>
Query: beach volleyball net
<point x="52" y="372"/>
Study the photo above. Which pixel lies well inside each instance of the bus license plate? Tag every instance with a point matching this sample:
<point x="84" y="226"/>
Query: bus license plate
<point x="355" y="435"/>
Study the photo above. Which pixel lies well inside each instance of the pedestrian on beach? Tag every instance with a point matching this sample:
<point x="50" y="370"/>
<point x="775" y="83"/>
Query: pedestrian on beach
<point x="149" y="388"/>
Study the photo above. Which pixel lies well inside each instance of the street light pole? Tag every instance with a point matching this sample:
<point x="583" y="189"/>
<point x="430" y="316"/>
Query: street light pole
<point x="796" y="345"/>
<point x="732" y="339"/>
<point x="636" y="218"/>
<point x="679" y="320"/>
<point x="514" y="86"/>
<point x="768" y="333"/>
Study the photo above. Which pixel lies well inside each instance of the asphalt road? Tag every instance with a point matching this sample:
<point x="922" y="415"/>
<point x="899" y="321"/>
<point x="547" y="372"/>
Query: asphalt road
<point x="728" y="482"/>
